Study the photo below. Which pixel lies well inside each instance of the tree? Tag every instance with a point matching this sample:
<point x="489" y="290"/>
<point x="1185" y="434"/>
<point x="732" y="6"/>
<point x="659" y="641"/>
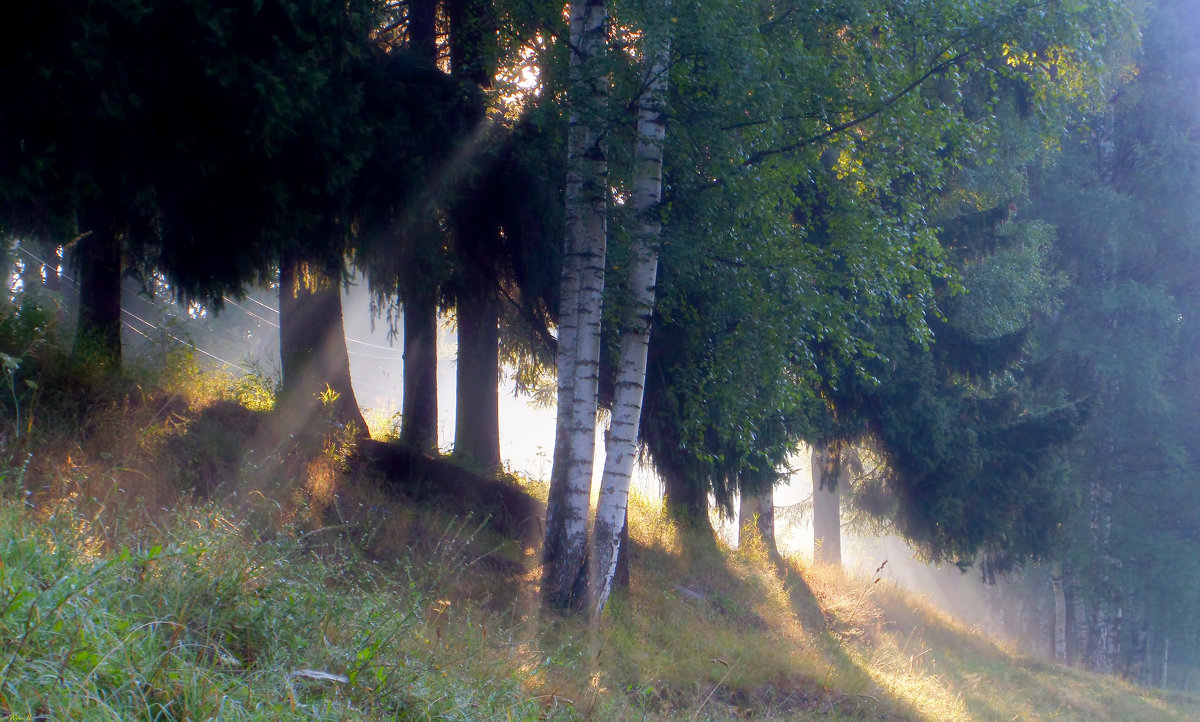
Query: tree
<point x="1123" y="198"/>
<point x="419" y="284"/>
<point x="564" y="557"/>
<point x="139" y="119"/>
<point x="756" y="299"/>
<point x="832" y="465"/>
<point x="478" y="246"/>
<point x="634" y="334"/>
<point x="71" y="136"/>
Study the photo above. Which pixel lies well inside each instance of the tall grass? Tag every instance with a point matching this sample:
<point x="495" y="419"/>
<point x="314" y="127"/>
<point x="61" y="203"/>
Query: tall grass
<point x="163" y="556"/>
<point x="203" y="619"/>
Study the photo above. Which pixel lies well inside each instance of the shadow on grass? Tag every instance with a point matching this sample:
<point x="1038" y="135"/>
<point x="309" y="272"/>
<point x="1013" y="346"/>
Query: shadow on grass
<point x="996" y="683"/>
<point x="710" y="633"/>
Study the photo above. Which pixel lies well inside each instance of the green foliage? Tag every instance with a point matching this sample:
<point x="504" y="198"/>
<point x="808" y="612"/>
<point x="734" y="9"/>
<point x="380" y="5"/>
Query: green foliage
<point x="207" y="621"/>
<point x="1123" y="197"/>
<point x="825" y="169"/>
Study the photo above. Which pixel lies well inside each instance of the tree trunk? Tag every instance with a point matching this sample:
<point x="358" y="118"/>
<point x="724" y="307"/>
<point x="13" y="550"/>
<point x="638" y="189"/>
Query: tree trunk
<point x="564" y="564"/>
<point x="98" y="257"/>
<point x="1060" y="615"/>
<point x="312" y="349"/>
<point x="477" y="419"/>
<point x="472" y="40"/>
<point x="827" y="520"/>
<point x="1165" y="659"/>
<point x="418" y="413"/>
<point x="621" y="578"/>
<point x="756" y="518"/>
<point x="686" y="504"/>
<point x="1081" y="629"/>
<point x="621" y="448"/>
<point x="422" y="28"/>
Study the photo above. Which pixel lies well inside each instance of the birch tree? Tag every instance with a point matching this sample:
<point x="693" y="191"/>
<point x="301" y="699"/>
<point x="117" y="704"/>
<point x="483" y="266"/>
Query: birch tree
<point x="564" y="558"/>
<point x="635" y="333"/>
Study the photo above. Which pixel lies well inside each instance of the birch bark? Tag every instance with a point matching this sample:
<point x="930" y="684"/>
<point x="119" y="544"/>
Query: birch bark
<point x="565" y="551"/>
<point x="635" y="331"/>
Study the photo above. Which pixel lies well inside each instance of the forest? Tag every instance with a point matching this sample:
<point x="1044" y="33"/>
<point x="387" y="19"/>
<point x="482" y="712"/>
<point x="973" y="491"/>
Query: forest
<point x="946" y="250"/>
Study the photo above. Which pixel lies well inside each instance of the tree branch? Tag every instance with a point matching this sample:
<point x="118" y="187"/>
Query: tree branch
<point x="841" y="127"/>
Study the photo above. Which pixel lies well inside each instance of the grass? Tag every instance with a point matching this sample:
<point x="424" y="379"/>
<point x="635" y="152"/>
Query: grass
<point x="163" y="556"/>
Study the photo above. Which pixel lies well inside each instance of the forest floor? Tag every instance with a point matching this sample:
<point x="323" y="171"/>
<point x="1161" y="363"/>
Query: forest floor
<point x="166" y="552"/>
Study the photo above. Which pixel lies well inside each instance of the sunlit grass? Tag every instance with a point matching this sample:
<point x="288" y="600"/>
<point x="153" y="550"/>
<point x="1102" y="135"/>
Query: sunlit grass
<point x="163" y="555"/>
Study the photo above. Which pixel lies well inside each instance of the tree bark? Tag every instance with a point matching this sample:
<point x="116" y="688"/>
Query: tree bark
<point x="564" y="571"/>
<point x="1060" y="615"/>
<point x="827" y="472"/>
<point x="756" y="516"/>
<point x="686" y="504"/>
<point x="621" y="448"/>
<point x="477" y="419"/>
<point x="422" y="28"/>
<point x="98" y="257"/>
<point x="418" y="412"/>
<point x="312" y="349"/>
<point x="1081" y="629"/>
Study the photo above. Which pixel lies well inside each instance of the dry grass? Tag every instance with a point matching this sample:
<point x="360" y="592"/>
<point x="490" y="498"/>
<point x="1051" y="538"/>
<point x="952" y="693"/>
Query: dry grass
<point x="240" y="575"/>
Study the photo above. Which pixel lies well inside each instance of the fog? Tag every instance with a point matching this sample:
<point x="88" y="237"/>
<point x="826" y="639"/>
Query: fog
<point x="243" y="338"/>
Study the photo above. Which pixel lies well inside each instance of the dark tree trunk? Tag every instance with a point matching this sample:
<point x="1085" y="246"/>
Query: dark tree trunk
<point x="98" y="257"/>
<point x="472" y="40"/>
<point x="422" y="28"/>
<point x="477" y="419"/>
<point x="686" y="504"/>
<point x="419" y="414"/>
<point x="621" y="579"/>
<point x="312" y="349"/>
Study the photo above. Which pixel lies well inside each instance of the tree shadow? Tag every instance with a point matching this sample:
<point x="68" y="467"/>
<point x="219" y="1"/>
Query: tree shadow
<point x="703" y="611"/>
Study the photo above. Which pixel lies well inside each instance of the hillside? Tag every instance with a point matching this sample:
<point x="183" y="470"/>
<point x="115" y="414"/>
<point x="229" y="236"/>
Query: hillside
<point x="165" y="553"/>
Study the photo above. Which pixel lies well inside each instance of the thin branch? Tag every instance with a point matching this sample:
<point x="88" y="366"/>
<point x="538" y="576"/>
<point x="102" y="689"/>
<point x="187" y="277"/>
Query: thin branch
<point x="841" y="127"/>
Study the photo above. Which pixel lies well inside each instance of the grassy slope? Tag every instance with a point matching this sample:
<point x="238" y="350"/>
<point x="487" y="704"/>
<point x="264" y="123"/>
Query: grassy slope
<point x="162" y="556"/>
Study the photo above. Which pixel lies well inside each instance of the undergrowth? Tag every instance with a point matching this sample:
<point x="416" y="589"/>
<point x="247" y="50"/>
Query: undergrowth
<point x="203" y="619"/>
<point x="166" y="555"/>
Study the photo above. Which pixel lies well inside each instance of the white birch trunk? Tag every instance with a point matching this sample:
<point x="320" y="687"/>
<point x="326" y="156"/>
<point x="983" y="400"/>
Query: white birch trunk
<point x="621" y="447"/>
<point x="1060" y="615"/>
<point x="565" y="552"/>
